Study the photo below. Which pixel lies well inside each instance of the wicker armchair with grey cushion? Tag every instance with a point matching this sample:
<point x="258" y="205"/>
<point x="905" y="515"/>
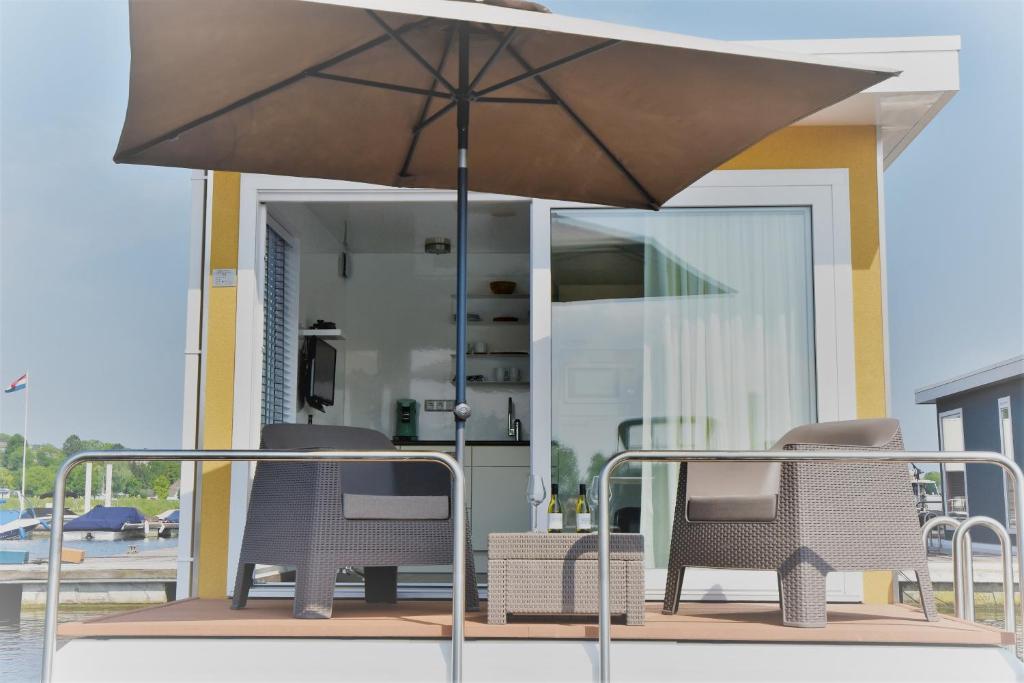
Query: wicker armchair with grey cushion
<point x="802" y="520"/>
<point x="320" y="517"/>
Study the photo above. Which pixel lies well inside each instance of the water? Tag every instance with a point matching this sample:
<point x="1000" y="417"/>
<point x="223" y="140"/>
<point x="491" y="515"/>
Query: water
<point x="39" y="548"/>
<point x="21" y="645"/>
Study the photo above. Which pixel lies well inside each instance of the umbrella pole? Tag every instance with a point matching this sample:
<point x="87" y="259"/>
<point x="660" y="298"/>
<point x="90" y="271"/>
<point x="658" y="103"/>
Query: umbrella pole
<point x="462" y="410"/>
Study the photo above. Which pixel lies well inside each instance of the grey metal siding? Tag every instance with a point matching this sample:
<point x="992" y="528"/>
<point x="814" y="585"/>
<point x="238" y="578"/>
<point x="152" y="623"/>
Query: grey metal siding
<point x="985" y="495"/>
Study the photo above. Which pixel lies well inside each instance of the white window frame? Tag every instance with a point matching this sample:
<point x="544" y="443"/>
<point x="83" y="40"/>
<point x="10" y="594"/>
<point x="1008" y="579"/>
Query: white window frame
<point x="256" y="191"/>
<point x="827" y="193"/>
<point x="1004" y="402"/>
<point x="959" y="413"/>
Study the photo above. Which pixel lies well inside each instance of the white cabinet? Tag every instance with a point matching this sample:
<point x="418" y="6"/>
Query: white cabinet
<point x="499" y="502"/>
<point x="495" y="490"/>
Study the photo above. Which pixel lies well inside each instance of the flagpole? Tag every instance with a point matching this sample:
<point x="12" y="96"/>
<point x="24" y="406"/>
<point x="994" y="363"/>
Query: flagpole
<point x="24" y="442"/>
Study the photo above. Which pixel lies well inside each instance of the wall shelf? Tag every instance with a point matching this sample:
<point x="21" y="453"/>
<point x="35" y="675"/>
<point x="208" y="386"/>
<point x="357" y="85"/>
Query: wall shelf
<point x="322" y="333"/>
<point x="510" y="354"/>
<point x="498" y="323"/>
<point x="491" y="384"/>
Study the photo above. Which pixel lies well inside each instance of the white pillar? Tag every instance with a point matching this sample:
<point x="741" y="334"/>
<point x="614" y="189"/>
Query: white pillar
<point x="88" y="487"/>
<point x="108" y="490"/>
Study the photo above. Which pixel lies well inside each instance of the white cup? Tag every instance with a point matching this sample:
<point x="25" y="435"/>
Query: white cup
<point x="480" y="347"/>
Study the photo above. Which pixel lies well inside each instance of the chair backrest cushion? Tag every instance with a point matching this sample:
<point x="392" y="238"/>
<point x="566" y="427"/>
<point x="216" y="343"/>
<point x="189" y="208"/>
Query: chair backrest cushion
<point x="881" y="432"/>
<point x="749" y="491"/>
<point x="382" y="479"/>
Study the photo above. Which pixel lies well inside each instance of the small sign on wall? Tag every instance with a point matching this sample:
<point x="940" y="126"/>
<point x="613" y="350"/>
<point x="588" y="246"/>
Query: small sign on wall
<point x="225" y="277"/>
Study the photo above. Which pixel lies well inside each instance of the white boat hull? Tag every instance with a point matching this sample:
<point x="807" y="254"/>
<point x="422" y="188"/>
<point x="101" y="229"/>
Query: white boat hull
<point x="15" y="528"/>
<point x="565" y="661"/>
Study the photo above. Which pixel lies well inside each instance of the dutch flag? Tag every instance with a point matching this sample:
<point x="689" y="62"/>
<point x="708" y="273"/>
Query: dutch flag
<point x="17" y="385"/>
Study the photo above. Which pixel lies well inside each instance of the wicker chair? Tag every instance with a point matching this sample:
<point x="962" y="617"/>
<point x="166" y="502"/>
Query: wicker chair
<point x="804" y="520"/>
<point x="319" y="517"/>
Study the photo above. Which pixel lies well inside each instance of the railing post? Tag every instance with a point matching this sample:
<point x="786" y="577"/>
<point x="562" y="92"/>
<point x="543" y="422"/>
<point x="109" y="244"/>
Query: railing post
<point x="458" y="521"/>
<point x="962" y="542"/>
<point x="958" y="590"/>
<point x="604" y="562"/>
<point x="853" y="456"/>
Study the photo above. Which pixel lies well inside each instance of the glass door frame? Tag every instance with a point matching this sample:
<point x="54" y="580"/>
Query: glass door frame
<point x="826" y="192"/>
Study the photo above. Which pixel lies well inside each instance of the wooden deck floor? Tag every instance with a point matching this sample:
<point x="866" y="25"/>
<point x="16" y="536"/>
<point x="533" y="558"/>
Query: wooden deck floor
<point x="696" y="622"/>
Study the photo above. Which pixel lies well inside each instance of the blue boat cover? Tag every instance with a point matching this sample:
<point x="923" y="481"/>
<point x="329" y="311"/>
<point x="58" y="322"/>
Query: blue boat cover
<point x="8" y="516"/>
<point x="173" y="517"/>
<point x="105" y="519"/>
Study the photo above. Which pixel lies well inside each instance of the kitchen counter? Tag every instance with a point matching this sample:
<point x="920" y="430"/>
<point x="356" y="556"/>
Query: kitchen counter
<point x="507" y="442"/>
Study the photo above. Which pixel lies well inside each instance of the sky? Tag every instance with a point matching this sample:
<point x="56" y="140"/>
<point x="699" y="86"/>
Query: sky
<point x="93" y="257"/>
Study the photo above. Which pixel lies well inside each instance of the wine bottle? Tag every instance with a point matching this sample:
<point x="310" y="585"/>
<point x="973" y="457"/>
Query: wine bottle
<point x="583" y="524"/>
<point x="554" y="512"/>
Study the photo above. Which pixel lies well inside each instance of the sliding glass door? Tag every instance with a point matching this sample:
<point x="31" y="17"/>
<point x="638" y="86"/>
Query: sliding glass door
<point x="687" y="328"/>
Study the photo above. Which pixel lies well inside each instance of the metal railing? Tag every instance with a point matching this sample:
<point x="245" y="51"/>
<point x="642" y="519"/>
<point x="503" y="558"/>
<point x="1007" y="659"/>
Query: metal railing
<point x="604" y="531"/>
<point x="963" y="570"/>
<point x="458" y="521"/>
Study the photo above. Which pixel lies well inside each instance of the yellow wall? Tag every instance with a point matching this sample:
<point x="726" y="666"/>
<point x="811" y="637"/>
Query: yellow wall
<point x="852" y="148"/>
<point x="219" y="387"/>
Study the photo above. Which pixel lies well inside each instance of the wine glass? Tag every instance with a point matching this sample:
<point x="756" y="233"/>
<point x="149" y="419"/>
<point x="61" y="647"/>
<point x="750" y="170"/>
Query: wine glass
<point x="536" y="493"/>
<point x="594" y="494"/>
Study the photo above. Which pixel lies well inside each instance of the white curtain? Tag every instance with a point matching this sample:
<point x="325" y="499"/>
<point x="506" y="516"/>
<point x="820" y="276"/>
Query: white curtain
<point x="728" y="339"/>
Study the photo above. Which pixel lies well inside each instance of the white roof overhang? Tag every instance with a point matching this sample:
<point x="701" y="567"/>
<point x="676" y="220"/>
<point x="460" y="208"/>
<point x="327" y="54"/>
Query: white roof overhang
<point x="901" y="106"/>
<point x="991" y="374"/>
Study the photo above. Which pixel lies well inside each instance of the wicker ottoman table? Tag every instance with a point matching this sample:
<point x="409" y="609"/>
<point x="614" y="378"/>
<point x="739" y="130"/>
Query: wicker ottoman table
<point x="545" y="574"/>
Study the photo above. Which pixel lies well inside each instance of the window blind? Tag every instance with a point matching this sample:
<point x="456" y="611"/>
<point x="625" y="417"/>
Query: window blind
<point x="280" y="343"/>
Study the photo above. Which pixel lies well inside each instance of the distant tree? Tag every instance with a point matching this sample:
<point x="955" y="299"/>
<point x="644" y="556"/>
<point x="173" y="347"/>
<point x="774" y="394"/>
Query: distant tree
<point x="46" y="454"/>
<point x="596" y="463"/>
<point x="7" y="479"/>
<point x="72" y="445"/>
<point x="76" y="481"/>
<point x="125" y="480"/>
<point x="566" y="473"/>
<point x="12" y="454"/>
<point x="39" y="480"/>
<point x="160" y="486"/>
<point x="934" y="476"/>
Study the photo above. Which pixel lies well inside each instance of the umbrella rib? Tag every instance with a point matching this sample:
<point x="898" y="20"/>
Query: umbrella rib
<point x="259" y="94"/>
<point x="404" y="171"/>
<point x="534" y="72"/>
<point x="434" y="117"/>
<point x="502" y="44"/>
<point x="516" y="100"/>
<point x="384" y="86"/>
<point x="412" y="51"/>
<point x="648" y="197"/>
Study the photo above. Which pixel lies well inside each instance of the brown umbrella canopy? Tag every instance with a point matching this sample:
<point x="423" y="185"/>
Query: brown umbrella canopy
<point x="362" y="90"/>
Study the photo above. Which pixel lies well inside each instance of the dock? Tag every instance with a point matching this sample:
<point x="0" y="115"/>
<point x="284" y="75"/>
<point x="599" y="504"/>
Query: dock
<point x="142" y="578"/>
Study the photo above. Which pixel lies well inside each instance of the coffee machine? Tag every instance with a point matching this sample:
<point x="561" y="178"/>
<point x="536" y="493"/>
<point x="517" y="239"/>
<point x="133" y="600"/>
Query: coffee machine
<point x="406" y="420"/>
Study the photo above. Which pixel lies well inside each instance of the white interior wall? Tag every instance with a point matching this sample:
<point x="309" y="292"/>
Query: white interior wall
<point x="400" y="342"/>
<point x="395" y="311"/>
<point x="322" y="295"/>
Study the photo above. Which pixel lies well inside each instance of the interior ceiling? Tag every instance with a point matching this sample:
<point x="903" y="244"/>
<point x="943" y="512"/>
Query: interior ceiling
<point x="403" y="227"/>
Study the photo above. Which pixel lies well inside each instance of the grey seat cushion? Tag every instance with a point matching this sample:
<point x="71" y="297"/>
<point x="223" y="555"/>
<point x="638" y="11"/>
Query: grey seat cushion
<point x="731" y="508"/>
<point x="361" y="506"/>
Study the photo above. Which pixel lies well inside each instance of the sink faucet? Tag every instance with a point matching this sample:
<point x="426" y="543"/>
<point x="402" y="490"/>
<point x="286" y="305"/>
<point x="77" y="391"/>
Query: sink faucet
<point x="515" y="426"/>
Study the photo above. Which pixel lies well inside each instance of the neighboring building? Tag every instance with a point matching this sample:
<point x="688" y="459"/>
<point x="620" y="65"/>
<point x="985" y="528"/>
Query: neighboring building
<point x="753" y="302"/>
<point x="980" y="411"/>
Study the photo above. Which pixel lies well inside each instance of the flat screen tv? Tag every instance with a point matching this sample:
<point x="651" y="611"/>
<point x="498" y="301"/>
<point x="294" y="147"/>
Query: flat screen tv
<point x="319" y="361"/>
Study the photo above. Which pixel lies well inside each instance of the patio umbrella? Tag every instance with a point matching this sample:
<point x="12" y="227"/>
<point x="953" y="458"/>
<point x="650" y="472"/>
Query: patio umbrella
<point x="414" y="93"/>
